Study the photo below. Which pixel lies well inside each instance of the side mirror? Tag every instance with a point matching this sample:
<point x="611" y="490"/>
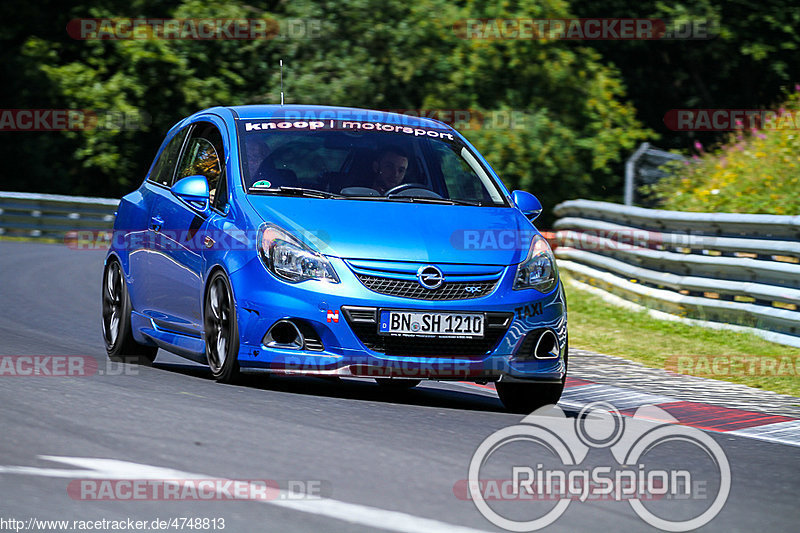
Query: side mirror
<point x="530" y="206"/>
<point x="193" y="190"/>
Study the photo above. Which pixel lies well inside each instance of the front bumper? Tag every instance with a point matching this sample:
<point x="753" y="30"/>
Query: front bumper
<point x="350" y="348"/>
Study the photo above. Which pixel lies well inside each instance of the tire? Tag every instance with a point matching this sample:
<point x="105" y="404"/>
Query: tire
<point x="398" y="384"/>
<point x="116" y="314"/>
<point x="221" y="330"/>
<point x="524" y="398"/>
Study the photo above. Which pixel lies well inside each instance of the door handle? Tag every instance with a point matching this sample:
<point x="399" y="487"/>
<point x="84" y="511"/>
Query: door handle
<point x="156" y="223"/>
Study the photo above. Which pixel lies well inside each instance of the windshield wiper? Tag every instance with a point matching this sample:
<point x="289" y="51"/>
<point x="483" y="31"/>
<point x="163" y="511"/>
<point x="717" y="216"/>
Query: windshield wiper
<point x="414" y="200"/>
<point x="431" y="200"/>
<point x="294" y="191"/>
<point x="468" y="202"/>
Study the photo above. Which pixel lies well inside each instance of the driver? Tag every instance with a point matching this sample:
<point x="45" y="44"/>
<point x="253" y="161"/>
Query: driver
<point x="390" y="168"/>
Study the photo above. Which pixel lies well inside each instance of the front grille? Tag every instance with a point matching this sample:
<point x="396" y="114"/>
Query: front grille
<point x="367" y="332"/>
<point x="450" y="290"/>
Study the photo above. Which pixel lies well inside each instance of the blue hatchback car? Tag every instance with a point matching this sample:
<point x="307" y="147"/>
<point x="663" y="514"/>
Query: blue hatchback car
<point x="335" y="242"/>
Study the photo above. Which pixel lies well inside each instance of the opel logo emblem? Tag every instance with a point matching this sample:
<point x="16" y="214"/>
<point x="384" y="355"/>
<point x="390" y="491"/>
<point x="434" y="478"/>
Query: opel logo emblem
<point x="430" y="277"/>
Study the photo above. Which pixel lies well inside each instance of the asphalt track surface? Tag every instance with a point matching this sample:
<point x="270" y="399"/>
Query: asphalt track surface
<point x="374" y="452"/>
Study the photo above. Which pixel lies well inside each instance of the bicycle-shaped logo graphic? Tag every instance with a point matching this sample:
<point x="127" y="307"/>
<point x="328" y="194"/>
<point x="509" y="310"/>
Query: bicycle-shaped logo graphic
<point x="568" y="441"/>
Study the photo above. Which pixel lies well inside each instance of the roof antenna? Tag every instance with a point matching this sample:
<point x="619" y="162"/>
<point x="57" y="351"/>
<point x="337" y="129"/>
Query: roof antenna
<point x="281" y="82"/>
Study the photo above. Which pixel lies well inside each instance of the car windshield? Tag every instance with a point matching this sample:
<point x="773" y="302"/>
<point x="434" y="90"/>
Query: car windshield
<point x="362" y="160"/>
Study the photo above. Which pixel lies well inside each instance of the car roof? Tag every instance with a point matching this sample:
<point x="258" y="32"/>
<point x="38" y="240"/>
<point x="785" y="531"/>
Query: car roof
<point x="320" y="112"/>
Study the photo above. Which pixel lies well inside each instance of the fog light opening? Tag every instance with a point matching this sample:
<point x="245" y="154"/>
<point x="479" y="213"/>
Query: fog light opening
<point x="284" y="334"/>
<point x="546" y="346"/>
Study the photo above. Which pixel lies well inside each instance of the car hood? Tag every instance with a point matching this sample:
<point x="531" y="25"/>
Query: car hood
<point x="395" y="231"/>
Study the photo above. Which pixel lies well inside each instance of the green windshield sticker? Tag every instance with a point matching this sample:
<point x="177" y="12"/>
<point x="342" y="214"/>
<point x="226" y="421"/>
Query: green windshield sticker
<point x="262" y="183"/>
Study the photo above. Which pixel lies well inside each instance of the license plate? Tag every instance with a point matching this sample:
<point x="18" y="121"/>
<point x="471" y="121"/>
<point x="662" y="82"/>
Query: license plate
<point x="415" y="323"/>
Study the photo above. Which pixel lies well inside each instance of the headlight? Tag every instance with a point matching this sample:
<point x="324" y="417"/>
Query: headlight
<point x="290" y="259"/>
<point x="539" y="270"/>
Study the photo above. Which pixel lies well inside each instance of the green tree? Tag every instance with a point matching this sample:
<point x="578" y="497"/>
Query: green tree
<point x="572" y="123"/>
<point x="752" y="53"/>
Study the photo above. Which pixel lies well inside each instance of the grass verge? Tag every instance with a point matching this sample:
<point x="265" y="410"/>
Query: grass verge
<point x="719" y="354"/>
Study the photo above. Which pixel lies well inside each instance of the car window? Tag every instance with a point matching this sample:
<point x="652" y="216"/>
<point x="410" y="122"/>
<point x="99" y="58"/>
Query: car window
<point x="455" y="172"/>
<point x="308" y="160"/>
<point x="164" y="168"/>
<point x="204" y="155"/>
<point x="297" y="159"/>
<point x="362" y="158"/>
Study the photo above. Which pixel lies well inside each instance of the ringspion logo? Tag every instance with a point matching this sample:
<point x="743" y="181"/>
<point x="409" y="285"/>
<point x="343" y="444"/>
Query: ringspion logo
<point x="646" y="469"/>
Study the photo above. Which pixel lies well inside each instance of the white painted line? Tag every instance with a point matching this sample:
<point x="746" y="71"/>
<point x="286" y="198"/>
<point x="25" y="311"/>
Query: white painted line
<point x="781" y="432"/>
<point x="95" y="468"/>
<point x="373" y="517"/>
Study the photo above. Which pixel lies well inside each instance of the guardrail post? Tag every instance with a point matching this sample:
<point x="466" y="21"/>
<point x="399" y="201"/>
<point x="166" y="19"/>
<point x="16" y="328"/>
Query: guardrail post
<point x="630" y="171"/>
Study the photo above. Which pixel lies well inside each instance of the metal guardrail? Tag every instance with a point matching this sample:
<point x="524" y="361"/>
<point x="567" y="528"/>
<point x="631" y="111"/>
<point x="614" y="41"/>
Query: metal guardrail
<point x="713" y="224"/>
<point x="739" y="269"/>
<point x="52" y="215"/>
<point x="721" y="267"/>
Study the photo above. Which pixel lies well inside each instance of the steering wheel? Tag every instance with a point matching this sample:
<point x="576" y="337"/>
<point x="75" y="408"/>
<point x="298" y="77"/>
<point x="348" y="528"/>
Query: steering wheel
<point x="405" y="186"/>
